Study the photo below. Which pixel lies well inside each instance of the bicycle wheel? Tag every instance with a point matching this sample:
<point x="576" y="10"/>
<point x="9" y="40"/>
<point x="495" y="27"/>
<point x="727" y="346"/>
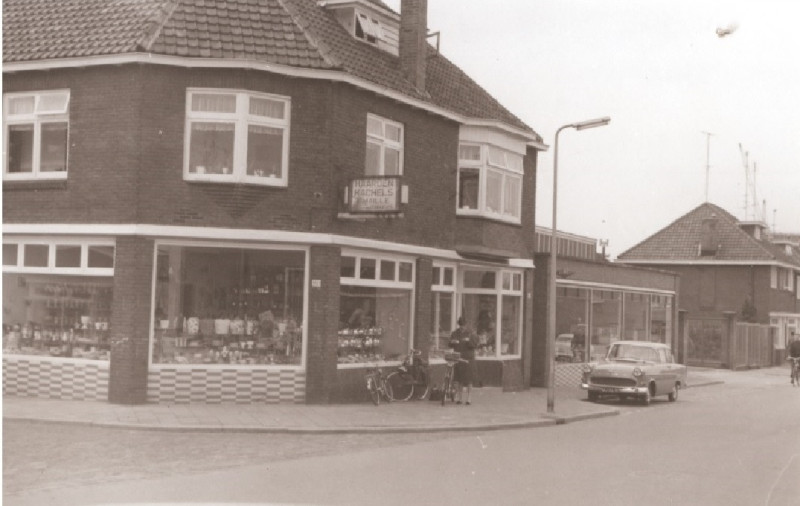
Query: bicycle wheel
<point x="398" y="388"/>
<point x="374" y="394"/>
<point x="446" y="386"/>
<point x="387" y="390"/>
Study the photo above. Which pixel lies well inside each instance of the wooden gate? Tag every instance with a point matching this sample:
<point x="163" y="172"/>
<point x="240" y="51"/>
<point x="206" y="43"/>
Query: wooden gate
<point x="751" y="346"/>
<point x="705" y="342"/>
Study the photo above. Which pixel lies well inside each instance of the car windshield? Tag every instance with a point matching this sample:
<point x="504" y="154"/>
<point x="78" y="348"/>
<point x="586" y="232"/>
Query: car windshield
<point x="632" y="352"/>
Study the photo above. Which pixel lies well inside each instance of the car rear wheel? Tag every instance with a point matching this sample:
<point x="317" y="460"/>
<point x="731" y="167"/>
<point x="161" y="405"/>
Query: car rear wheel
<point x="673" y="396"/>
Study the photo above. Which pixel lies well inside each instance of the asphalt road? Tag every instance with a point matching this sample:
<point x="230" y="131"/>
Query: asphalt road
<point x="731" y="444"/>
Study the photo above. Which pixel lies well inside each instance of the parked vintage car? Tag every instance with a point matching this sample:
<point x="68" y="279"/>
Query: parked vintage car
<point x="636" y="369"/>
<point x="564" y="348"/>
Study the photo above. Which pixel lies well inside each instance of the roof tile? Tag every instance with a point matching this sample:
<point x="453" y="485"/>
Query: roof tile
<point x="285" y="32"/>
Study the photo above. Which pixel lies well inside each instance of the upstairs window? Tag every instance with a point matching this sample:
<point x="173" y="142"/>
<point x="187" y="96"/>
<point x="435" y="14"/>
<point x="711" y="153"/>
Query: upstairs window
<point x="237" y="137"/>
<point x="489" y="182"/>
<point x="384" y="147"/>
<point x="35" y="131"/>
<point x="368" y="28"/>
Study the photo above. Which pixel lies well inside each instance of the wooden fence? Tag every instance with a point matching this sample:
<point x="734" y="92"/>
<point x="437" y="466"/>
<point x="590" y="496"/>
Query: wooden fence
<point x="751" y="346"/>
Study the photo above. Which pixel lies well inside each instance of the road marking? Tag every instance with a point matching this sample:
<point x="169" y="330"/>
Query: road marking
<point x="778" y="480"/>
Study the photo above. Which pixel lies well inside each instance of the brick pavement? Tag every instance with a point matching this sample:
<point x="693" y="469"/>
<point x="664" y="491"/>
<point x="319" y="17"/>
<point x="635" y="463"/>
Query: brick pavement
<point x="491" y="409"/>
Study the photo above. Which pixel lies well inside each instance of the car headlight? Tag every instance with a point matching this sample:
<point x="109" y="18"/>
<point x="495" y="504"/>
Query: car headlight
<point x="587" y="368"/>
<point x="637" y="372"/>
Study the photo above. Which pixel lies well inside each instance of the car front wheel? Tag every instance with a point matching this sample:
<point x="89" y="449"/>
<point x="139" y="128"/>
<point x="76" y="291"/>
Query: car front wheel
<point x="673" y="396"/>
<point x="646" y="398"/>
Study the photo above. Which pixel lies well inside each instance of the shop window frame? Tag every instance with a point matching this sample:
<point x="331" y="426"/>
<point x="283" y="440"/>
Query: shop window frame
<point x="439" y="284"/>
<point x="241" y="119"/>
<point x="499" y="292"/>
<point x="378" y="283"/>
<point x="233" y="246"/>
<point x="36" y="119"/>
<point x="84" y="269"/>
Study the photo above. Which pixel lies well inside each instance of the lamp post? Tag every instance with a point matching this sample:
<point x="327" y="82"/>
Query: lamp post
<point x="551" y="296"/>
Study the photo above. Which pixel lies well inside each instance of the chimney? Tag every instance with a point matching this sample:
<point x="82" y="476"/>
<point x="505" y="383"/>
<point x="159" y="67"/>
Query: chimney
<point x="413" y="40"/>
<point x="708" y="236"/>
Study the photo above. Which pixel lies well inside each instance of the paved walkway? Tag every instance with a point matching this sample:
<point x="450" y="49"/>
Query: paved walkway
<point x="491" y="409"/>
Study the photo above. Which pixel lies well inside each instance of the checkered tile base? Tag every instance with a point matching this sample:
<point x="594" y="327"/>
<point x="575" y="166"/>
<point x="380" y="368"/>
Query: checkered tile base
<point x="568" y="375"/>
<point x="31" y="376"/>
<point x="216" y="386"/>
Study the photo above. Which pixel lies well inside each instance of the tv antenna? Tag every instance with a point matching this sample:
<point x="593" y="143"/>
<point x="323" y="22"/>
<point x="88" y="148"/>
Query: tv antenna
<point x="708" y="148"/>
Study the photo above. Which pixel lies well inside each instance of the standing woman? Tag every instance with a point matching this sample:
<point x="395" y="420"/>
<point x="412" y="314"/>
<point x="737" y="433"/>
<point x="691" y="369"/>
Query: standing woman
<point x="464" y="341"/>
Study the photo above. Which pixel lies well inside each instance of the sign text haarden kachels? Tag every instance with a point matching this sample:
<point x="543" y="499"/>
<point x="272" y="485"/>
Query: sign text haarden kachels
<point x="375" y="195"/>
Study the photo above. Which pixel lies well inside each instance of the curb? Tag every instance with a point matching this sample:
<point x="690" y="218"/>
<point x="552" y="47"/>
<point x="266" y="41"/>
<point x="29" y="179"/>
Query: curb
<point x="547" y="421"/>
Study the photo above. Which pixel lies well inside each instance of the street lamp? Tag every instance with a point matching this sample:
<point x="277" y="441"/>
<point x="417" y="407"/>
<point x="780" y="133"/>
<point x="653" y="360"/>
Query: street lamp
<point x="551" y="308"/>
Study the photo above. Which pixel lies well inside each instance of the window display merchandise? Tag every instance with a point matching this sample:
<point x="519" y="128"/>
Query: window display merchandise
<point x="53" y="315"/>
<point x="228" y="306"/>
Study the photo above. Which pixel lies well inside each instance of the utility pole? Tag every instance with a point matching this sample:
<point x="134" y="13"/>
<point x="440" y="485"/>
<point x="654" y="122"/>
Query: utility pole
<point x="708" y="150"/>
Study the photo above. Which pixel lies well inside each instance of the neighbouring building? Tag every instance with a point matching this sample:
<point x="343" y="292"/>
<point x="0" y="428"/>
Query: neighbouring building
<point x="597" y="303"/>
<point x="251" y="201"/>
<point x="731" y="272"/>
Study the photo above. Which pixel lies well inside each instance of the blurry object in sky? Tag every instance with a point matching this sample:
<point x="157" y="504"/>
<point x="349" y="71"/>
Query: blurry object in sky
<point x="724" y="31"/>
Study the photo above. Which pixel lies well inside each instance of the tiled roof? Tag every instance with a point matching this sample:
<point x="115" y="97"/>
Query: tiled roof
<point x="47" y="29"/>
<point x="296" y="33"/>
<point x="679" y="241"/>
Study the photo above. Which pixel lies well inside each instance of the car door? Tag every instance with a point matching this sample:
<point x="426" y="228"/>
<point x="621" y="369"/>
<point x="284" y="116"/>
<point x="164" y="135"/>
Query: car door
<point x="663" y="373"/>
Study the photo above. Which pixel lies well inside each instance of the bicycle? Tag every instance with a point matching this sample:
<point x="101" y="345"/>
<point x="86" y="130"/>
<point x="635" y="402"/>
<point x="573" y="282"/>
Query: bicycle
<point x="377" y="385"/>
<point x="410" y="378"/>
<point x="448" y="384"/>
<point x="795" y="370"/>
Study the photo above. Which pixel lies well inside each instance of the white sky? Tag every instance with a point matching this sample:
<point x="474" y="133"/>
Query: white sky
<point x="658" y="69"/>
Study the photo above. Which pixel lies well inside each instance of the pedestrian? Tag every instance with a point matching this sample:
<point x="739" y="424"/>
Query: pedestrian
<point x="794" y="351"/>
<point x="464" y="341"/>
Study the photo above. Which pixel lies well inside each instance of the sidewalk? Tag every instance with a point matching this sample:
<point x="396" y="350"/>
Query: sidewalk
<point x="491" y="409"/>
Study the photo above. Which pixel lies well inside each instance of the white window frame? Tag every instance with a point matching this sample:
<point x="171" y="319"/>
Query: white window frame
<point x="498" y="291"/>
<point x="496" y="161"/>
<point x="439" y="286"/>
<point x="371" y="27"/>
<point x="241" y="119"/>
<point x="36" y="119"/>
<point x="51" y="243"/>
<point x="383" y="142"/>
<point x="356" y="280"/>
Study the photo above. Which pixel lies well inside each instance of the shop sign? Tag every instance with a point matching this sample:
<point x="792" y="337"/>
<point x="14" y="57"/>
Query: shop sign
<point x="375" y="195"/>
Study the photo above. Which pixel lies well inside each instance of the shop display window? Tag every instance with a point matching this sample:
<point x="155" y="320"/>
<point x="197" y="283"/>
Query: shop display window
<point x="572" y="313"/>
<point x="491" y="302"/>
<point x="635" y="316"/>
<point x="660" y="318"/>
<point x="228" y="306"/>
<point x="374" y="309"/>
<point x="443" y="299"/>
<point x="57" y="315"/>
<point x="606" y="308"/>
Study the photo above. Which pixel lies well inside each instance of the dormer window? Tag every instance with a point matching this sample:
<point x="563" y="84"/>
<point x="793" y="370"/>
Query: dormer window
<point x="368" y="28"/>
<point x="368" y="23"/>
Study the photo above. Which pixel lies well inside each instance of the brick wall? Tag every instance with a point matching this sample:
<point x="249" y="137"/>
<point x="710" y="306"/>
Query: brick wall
<point x="127" y="148"/>
<point x="130" y="320"/>
<point x="323" y="323"/>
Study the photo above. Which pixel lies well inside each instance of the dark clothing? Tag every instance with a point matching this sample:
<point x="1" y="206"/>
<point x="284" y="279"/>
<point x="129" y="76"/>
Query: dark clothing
<point x="794" y="348"/>
<point x="465" y="343"/>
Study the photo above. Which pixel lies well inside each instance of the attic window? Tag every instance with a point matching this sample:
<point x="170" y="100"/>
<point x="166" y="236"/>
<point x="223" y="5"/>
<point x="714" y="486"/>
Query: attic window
<point x="368" y="29"/>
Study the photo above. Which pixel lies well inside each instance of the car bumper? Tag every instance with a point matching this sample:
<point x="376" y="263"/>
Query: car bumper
<point x="601" y="389"/>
